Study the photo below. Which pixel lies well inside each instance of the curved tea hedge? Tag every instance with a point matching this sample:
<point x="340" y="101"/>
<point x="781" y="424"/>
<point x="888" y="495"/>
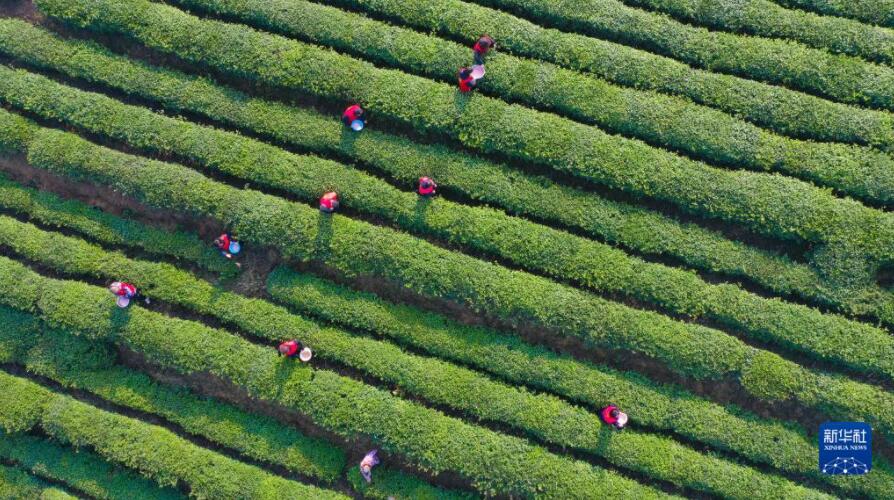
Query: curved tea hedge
<point x="765" y="18"/>
<point x="769" y="204"/>
<point x="642" y="230"/>
<point x="339" y="404"/>
<point x="659" y="120"/>
<point x="487" y="350"/>
<point x="109" y="229"/>
<point x="514" y="360"/>
<point x="842" y="78"/>
<point x="302" y="234"/>
<point x="565" y="257"/>
<point x="428" y="378"/>
<point x="81" y="470"/>
<point x="780" y="109"/>
<point x="879" y="12"/>
<point x="77" y="362"/>
<point x="154" y="451"/>
<point x="16" y="484"/>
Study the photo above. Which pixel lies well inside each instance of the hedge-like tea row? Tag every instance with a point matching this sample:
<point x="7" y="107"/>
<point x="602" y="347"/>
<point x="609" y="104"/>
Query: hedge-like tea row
<point x="839" y="77"/>
<point x="49" y="209"/>
<point x="254" y="436"/>
<point x="512" y="359"/>
<point x="28" y="340"/>
<point x="664" y="121"/>
<point x="546" y="417"/>
<point x="342" y="405"/>
<point x="156" y="452"/>
<point x="392" y="484"/>
<point x="525" y="244"/>
<point x="783" y="110"/>
<point x="768" y="204"/>
<point x="83" y="470"/>
<point x="520" y="362"/>
<point x="17" y="484"/>
<point x="77" y="362"/>
<point x="642" y="230"/>
<point x="871" y="11"/>
<point x="765" y="18"/>
<point x="357" y="248"/>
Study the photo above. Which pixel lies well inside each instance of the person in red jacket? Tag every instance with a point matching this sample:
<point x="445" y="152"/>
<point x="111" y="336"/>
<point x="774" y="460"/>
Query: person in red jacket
<point x="329" y="202"/>
<point x="289" y="348"/>
<point x="124" y="291"/>
<point x="466" y="81"/>
<point x="354" y="113"/>
<point x="427" y="186"/>
<point x="227" y="245"/>
<point x="482" y="47"/>
<point x="611" y="415"/>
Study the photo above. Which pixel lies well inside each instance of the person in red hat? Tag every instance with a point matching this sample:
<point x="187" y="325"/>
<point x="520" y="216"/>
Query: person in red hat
<point x="353" y="113"/>
<point x="482" y="47"/>
<point x="329" y="202"/>
<point x="427" y="186"/>
<point x="466" y="81"/>
<point x="289" y="348"/>
<point x="611" y="415"/>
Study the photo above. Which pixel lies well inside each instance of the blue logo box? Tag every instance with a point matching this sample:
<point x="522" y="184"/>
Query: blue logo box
<point x="845" y="448"/>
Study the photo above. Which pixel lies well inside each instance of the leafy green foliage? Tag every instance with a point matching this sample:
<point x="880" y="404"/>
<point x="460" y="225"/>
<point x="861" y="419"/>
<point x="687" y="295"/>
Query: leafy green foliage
<point x="842" y="78"/>
<point x="769" y="204"/>
<point x="357" y="248"/>
<point x="337" y="403"/>
<point x="594" y="386"/>
<point x="768" y="19"/>
<point x="82" y="470"/>
<point x="545" y="417"/>
<point x="16" y="484"/>
<point x="49" y="209"/>
<point x="674" y="123"/>
<point x="76" y="362"/>
<point x="871" y="11"/>
<point x="504" y="355"/>
<point x="154" y="451"/>
<point x="255" y="436"/>
<point x="642" y="230"/>
<point x="525" y="244"/>
<point x="785" y="111"/>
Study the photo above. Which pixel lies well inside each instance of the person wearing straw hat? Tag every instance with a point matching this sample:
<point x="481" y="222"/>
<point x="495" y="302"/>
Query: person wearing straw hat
<point x="467" y="82"/>
<point x="369" y="461"/>
<point x="611" y="415"/>
<point x="427" y="187"/>
<point x="484" y="45"/>
<point x="329" y="202"/>
<point x="354" y="117"/>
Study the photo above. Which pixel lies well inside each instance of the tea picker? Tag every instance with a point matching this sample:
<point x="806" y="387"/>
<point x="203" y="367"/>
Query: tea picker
<point x="329" y="202"/>
<point x="125" y="292"/>
<point x="369" y="461"/>
<point x="354" y="117"/>
<point x="427" y="187"/>
<point x="611" y="415"/>
<point x="484" y="44"/>
<point x="291" y="348"/>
